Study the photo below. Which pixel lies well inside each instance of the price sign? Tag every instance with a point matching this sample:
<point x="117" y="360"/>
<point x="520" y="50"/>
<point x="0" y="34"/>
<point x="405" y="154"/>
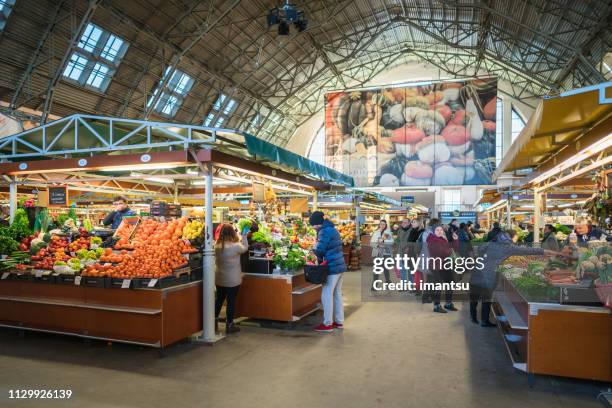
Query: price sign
<point x="77" y="280"/>
<point x="5" y="275"/>
<point x="58" y="196"/>
<point x="38" y="274"/>
<point x="152" y="283"/>
<point x="126" y="284"/>
<point x="55" y="274"/>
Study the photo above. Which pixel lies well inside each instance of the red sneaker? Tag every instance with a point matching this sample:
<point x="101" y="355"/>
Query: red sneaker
<point x="338" y="326"/>
<point x="324" y="329"/>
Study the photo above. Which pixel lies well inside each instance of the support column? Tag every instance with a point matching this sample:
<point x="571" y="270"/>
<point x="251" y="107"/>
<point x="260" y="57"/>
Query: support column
<point x="509" y="212"/>
<point x="537" y="215"/>
<point x="208" y="275"/>
<point x="315" y="201"/>
<point x="12" y="199"/>
<point x="357" y="201"/>
<point x="176" y="191"/>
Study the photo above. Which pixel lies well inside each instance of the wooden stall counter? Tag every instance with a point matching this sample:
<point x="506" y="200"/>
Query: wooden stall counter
<point x="149" y="317"/>
<point x="285" y="297"/>
<point x="555" y="339"/>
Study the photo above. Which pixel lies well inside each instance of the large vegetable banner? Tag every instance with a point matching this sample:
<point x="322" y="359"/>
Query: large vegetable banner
<point x="437" y="134"/>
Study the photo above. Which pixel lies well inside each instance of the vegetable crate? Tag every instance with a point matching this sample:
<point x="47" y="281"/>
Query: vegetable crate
<point x="160" y="283"/>
<point x="95" y="281"/>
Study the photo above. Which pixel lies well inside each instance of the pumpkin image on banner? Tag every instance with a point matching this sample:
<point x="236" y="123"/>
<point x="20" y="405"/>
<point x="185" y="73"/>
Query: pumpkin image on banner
<point x="441" y="133"/>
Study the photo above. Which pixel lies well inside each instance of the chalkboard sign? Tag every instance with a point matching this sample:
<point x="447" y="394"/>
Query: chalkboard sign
<point x="58" y="196"/>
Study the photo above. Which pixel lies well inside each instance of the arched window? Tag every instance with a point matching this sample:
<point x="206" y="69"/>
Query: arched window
<point x="317" y="148"/>
<point x="499" y="131"/>
<point x="517" y="124"/>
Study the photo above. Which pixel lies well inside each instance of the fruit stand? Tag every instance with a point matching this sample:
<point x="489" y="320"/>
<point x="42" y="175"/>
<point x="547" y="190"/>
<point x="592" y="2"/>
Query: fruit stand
<point x="552" y="318"/>
<point x="155" y="272"/>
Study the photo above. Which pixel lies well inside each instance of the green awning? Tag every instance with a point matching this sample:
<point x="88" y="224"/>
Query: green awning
<point x="261" y="149"/>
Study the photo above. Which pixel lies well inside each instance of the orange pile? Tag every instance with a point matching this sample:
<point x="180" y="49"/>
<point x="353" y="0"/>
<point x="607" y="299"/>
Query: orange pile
<point x="158" y="249"/>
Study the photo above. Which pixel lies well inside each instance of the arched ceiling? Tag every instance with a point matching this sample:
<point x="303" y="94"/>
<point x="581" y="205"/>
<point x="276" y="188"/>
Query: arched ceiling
<point x="540" y="47"/>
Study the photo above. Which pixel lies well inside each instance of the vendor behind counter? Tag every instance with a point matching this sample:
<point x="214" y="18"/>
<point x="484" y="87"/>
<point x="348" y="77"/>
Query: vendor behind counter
<point x="113" y="219"/>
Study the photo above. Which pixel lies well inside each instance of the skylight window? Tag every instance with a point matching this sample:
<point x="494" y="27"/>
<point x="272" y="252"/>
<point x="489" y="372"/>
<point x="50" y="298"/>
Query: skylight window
<point x="95" y="61"/>
<point x="6" y="6"/>
<point x="173" y="93"/>
<point x="221" y="111"/>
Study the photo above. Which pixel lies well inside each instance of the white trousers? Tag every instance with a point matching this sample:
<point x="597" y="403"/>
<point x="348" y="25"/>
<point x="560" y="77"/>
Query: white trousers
<point x="331" y="297"/>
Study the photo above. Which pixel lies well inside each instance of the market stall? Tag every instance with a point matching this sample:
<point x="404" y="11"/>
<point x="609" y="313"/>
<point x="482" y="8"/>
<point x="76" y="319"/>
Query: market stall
<point x="153" y="257"/>
<point x="555" y="316"/>
<point x="551" y="315"/>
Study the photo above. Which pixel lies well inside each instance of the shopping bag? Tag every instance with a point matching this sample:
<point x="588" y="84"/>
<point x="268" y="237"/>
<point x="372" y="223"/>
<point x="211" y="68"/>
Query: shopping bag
<point x="316" y="274"/>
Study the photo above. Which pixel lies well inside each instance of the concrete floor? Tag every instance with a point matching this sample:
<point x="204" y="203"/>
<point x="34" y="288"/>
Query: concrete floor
<point x="392" y="354"/>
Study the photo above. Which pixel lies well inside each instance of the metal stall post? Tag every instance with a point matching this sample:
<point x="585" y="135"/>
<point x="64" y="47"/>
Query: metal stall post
<point x="12" y="199"/>
<point x="509" y="212"/>
<point x="537" y="215"/>
<point x="208" y="274"/>
<point x="357" y="201"/>
<point x="315" y="201"/>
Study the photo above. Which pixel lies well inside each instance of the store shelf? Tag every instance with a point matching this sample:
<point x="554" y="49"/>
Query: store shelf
<point x="512" y="315"/>
<point x="306" y="313"/>
<point x="84" y="336"/>
<point x="66" y="303"/>
<point x="305" y="289"/>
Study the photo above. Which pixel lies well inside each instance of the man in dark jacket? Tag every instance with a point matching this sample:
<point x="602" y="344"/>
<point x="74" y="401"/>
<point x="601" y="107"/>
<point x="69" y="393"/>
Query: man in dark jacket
<point x="121" y="210"/>
<point x="549" y="241"/>
<point x="483" y="281"/>
<point x="494" y="231"/>
<point x="329" y="248"/>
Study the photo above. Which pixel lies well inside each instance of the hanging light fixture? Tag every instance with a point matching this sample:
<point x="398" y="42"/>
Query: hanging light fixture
<point x="285" y="16"/>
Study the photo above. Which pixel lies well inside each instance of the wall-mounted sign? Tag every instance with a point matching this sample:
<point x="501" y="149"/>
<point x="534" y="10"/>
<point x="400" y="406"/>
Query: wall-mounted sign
<point x="58" y="196"/>
<point x="407" y="199"/>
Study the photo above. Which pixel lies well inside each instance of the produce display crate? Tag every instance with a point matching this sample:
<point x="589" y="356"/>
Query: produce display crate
<point x="23" y="276"/>
<point x="118" y="283"/>
<point x="184" y="270"/>
<point x="95" y="281"/>
<point x="65" y="279"/>
<point x="143" y="283"/>
<point x="45" y="278"/>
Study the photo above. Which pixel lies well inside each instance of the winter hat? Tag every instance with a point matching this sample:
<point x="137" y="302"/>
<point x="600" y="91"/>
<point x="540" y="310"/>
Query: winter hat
<point x="316" y="218"/>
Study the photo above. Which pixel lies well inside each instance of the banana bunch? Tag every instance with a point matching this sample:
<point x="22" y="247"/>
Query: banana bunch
<point x="192" y="229"/>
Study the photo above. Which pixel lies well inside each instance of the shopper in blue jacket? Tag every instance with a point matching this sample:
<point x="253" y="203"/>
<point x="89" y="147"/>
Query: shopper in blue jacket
<point x="329" y="248"/>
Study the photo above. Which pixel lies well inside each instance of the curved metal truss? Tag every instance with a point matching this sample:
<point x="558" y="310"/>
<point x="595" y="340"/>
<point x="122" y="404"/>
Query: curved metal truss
<point x="539" y="47"/>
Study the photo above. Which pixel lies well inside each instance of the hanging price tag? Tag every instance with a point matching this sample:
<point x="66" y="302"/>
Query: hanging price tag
<point x="152" y="283"/>
<point x="38" y="274"/>
<point x="77" y="280"/>
<point x="126" y="284"/>
<point x="5" y="275"/>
